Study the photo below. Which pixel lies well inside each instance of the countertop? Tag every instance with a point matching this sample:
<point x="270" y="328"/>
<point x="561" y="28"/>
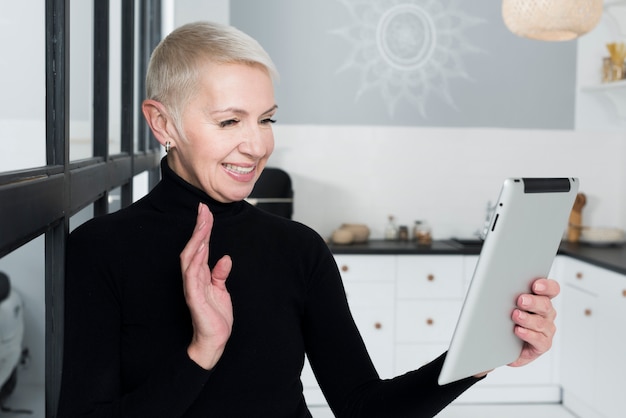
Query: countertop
<point x="610" y="257"/>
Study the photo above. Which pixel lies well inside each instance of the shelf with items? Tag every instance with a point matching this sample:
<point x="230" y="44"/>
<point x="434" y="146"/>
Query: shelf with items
<point x="601" y="104"/>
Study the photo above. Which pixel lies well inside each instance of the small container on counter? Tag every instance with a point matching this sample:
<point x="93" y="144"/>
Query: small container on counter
<point x="391" y="230"/>
<point x="421" y="233"/>
<point x="403" y="233"/>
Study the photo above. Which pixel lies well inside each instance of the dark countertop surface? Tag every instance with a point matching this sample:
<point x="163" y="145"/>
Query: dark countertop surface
<point x="610" y="257"/>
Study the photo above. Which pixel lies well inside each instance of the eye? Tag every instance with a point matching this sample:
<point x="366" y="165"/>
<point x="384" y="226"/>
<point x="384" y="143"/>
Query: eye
<point x="227" y="123"/>
<point x="268" y="121"/>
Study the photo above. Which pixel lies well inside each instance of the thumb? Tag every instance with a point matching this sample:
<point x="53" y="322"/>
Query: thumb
<point x="221" y="271"/>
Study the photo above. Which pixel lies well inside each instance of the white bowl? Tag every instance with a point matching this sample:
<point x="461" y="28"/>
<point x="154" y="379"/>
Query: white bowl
<point x="601" y="235"/>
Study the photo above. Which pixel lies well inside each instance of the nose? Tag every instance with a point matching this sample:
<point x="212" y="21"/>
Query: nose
<point x="257" y="142"/>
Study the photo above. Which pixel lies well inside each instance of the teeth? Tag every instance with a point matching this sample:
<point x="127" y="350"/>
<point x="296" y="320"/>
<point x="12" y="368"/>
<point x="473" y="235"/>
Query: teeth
<point x="237" y="169"/>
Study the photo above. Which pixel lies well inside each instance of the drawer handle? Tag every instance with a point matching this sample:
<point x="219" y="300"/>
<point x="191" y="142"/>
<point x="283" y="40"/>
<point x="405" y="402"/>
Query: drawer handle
<point x="378" y="325"/>
<point x="587" y="312"/>
<point x="430" y="321"/>
<point x="624" y="293"/>
<point x="344" y="268"/>
<point x="579" y="275"/>
<point x="430" y="277"/>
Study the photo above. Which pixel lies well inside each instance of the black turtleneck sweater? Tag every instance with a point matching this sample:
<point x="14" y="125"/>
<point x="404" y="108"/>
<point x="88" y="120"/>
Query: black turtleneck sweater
<point x="127" y="326"/>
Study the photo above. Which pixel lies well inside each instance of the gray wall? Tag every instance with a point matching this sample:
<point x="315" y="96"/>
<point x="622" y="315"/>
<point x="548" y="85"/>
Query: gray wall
<point x="414" y="63"/>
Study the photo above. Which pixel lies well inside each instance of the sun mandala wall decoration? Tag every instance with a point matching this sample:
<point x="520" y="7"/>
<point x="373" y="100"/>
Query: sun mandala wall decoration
<point x="446" y="63"/>
<point x="407" y="49"/>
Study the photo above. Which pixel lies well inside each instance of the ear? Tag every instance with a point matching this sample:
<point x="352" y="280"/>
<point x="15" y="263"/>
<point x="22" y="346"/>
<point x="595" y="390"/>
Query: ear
<point x="160" y="123"/>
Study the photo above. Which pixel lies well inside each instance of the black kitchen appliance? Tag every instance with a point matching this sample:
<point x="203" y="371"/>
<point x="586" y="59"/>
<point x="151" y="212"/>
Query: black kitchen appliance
<point x="273" y="192"/>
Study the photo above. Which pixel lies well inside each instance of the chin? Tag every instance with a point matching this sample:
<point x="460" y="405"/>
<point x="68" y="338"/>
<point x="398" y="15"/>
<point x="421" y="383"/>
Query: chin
<point x="236" y="197"/>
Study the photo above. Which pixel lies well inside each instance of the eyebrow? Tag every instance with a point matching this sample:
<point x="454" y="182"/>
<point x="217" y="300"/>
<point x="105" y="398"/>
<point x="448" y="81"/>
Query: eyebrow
<point x="242" y="111"/>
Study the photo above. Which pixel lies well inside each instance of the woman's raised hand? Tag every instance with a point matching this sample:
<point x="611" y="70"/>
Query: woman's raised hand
<point x="206" y="294"/>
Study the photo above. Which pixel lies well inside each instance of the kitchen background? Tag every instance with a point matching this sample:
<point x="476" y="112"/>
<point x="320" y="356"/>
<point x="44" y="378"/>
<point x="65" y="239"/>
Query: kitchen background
<point x="362" y="140"/>
<point x="359" y="142"/>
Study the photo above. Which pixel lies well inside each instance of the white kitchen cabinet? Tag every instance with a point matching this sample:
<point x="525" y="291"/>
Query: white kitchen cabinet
<point x="593" y="338"/>
<point x="426" y="321"/>
<point x="370" y="288"/>
<point x="430" y="277"/>
<point x="429" y="295"/>
<point x="406" y="308"/>
<point x="611" y="345"/>
<point x="578" y="342"/>
<point x="369" y="282"/>
<point x="469" y="265"/>
<point x="535" y="382"/>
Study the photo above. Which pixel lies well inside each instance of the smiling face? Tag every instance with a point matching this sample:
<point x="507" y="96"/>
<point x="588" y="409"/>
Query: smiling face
<point x="228" y="135"/>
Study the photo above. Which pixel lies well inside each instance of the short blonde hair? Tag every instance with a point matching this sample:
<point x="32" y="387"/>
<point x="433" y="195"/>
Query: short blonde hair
<point x="176" y="62"/>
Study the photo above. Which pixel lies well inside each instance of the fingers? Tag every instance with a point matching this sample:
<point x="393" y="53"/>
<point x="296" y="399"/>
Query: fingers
<point x="197" y="246"/>
<point x="221" y="271"/>
<point x="534" y="329"/>
<point x="546" y="287"/>
<point x="538" y="305"/>
<point x="540" y="301"/>
<point x="534" y="319"/>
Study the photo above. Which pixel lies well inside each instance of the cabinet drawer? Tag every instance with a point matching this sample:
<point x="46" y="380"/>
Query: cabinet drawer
<point x="579" y="336"/>
<point x="582" y="275"/>
<point x="426" y="320"/>
<point x="367" y="267"/>
<point x="430" y="277"/>
<point x="376" y="328"/>
<point x="370" y="294"/>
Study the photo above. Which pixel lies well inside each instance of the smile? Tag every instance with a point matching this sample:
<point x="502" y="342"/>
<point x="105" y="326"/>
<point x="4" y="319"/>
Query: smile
<point x="238" y="169"/>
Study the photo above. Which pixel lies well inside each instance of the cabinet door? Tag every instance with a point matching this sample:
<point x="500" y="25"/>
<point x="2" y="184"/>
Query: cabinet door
<point x="372" y="307"/>
<point x="426" y="321"/>
<point x="611" y="347"/>
<point x="423" y="276"/>
<point x="369" y="281"/>
<point x="376" y="328"/>
<point x="376" y="268"/>
<point x="370" y="294"/>
<point x="578" y="344"/>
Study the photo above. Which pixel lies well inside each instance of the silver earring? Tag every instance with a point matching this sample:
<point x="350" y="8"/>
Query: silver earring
<point x="168" y="145"/>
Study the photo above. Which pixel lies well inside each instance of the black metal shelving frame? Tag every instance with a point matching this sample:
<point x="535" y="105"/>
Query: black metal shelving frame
<point x="41" y="200"/>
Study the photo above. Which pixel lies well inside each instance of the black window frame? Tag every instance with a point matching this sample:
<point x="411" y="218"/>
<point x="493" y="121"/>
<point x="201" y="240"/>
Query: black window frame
<point x="41" y="200"/>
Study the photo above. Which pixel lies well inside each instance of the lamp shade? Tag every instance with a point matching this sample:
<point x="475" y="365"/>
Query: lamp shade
<point x="551" y="20"/>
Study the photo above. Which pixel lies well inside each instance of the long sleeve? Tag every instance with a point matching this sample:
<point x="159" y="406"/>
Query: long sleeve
<point x="94" y="384"/>
<point x="343" y="367"/>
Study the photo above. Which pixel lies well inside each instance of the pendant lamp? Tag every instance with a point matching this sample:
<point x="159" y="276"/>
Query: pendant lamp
<point x="551" y="20"/>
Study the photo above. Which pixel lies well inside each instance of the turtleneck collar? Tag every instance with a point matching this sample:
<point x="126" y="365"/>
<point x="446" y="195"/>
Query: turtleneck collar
<point x="175" y="194"/>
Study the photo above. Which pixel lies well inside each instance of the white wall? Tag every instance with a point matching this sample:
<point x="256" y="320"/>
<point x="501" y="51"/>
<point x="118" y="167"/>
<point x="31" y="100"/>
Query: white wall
<point x="443" y="176"/>
<point x="186" y="11"/>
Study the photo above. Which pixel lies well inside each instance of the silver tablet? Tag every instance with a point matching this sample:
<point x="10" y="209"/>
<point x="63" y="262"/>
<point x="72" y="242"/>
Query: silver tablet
<point x="523" y="238"/>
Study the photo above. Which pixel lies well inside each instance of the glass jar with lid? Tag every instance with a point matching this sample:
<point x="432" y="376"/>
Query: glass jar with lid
<point x="422" y="233"/>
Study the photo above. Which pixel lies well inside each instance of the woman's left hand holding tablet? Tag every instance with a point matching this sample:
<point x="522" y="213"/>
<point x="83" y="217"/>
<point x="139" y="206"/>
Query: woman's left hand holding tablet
<point x="206" y="294"/>
<point x="534" y="320"/>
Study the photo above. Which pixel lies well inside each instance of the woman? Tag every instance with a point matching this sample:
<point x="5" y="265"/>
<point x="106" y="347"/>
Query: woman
<point x="193" y="303"/>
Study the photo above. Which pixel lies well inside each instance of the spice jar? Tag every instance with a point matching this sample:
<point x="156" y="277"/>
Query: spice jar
<point x="421" y="233"/>
<point x="403" y="233"/>
<point x="391" y="231"/>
